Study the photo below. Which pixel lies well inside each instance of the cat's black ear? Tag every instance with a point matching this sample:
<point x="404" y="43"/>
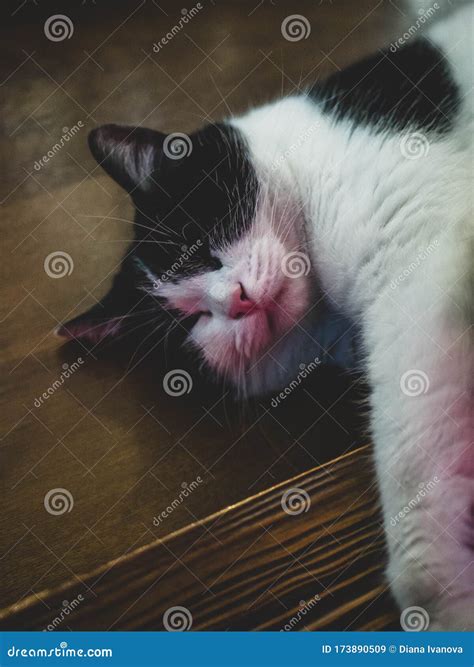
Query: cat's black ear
<point x="105" y="319"/>
<point x="130" y="155"/>
<point x="91" y="326"/>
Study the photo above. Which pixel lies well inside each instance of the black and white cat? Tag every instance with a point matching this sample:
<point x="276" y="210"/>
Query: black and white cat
<point x="354" y="197"/>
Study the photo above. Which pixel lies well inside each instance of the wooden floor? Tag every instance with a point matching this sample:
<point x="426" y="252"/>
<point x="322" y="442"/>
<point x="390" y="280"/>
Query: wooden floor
<point x="296" y="557"/>
<point x="108" y="436"/>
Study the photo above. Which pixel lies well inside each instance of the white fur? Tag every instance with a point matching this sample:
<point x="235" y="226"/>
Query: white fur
<point x="370" y="212"/>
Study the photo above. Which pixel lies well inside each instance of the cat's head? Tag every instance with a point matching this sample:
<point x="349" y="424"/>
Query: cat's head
<point x="215" y="242"/>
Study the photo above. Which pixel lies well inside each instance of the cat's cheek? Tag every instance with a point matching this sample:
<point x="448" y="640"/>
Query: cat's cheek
<point x="206" y="338"/>
<point x="291" y="305"/>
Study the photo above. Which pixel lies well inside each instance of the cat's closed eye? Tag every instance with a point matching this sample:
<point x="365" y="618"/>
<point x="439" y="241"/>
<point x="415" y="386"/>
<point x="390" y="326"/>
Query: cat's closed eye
<point x="215" y="263"/>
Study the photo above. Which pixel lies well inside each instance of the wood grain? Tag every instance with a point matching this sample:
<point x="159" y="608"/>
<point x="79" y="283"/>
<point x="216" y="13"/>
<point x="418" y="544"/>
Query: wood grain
<point x="251" y="566"/>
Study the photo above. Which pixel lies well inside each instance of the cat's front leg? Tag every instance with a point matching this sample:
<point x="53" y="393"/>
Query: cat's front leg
<point x="422" y="425"/>
<point x="430" y="568"/>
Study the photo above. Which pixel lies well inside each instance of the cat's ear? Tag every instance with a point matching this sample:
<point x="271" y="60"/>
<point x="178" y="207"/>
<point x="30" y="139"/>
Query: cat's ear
<point x="130" y="155"/>
<point x="91" y="326"/>
<point x="106" y="318"/>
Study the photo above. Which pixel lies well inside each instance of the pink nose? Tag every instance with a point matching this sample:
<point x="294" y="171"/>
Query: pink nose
<point x="240" y="304"/>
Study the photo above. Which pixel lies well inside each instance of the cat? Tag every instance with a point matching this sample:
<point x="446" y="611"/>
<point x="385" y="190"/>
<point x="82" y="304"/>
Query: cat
<point x="336" y="215"/>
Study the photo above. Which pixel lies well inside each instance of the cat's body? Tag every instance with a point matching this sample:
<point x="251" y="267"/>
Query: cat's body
<point x="371" y="211"/>
<point x="369" y="184"/>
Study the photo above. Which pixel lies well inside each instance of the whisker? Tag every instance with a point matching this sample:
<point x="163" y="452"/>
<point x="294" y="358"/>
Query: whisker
<point x="110" y="217"/>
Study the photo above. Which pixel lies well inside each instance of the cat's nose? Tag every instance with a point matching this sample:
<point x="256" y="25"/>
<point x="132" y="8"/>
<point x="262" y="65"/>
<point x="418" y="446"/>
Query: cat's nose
<point x="239" y="303"/>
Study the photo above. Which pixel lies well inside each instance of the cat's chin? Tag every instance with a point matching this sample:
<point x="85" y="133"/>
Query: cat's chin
<point x="232" y="347"/>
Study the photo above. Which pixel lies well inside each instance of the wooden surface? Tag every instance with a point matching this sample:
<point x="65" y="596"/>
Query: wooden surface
<point x="110" y="435"/>
<point x="304" y="555"/>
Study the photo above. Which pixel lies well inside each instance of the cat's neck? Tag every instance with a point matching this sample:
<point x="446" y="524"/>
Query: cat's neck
<point x="357" y="190"/>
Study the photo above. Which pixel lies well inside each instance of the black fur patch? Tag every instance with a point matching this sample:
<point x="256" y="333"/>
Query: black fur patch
<point x="409" y="88"/>
<point x="207" y="198"/>
<point x="189" y="207"/>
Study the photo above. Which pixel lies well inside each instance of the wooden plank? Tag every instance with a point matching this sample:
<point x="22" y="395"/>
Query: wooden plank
<point x="250" y="566"/>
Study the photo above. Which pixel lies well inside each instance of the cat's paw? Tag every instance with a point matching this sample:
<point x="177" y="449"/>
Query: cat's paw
<point x="442" y="616"/>
<point x="426" y="605"/>
<point x="453" y="615"/>
<point x="431" y="563"/>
